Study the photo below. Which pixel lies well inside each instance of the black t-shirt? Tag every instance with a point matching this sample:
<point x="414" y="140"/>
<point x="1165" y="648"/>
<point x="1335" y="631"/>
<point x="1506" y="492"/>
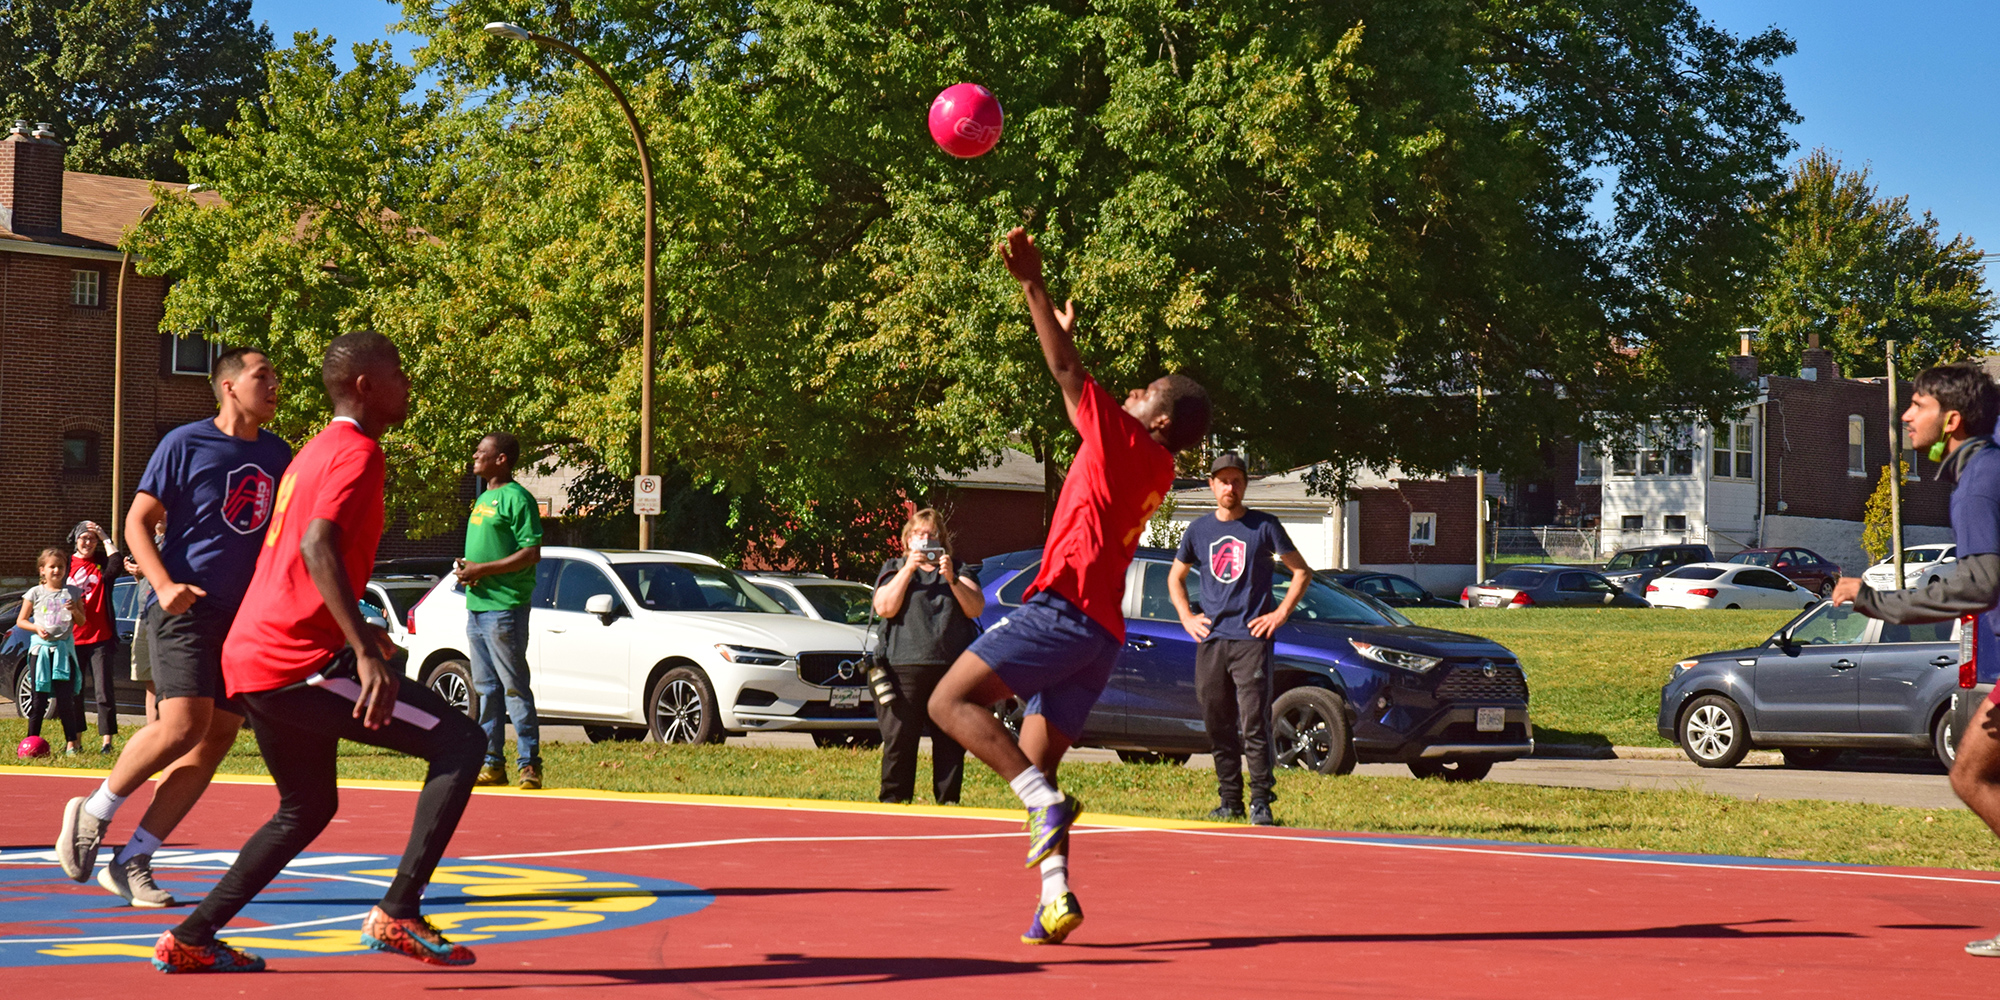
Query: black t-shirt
<point x="931" y="628"/>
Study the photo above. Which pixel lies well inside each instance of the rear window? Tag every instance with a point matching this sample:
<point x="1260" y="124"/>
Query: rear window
<point x="1010" y="592"/>
<point x="1696" y="573"/>
<point x="1520" y="579"/>
<point x="1636" y="559"/>
<point x="1753" y="558"/>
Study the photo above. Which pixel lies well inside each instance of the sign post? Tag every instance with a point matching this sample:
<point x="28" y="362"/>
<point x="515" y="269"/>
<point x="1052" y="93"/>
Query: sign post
<point x="645" y="502"/>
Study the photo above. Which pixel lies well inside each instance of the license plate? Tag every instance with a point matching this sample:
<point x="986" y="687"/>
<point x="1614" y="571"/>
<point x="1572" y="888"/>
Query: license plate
<point x="851" y="697"/>
<point x="1489" y="602"/>
<point x="1490" y="720"/>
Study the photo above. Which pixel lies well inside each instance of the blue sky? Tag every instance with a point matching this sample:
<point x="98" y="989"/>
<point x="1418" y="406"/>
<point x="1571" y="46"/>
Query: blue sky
<point x="1904" y="88"/>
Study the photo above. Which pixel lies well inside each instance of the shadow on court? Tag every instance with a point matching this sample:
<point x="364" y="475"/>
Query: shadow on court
<point x="854" y="970"/>
<point x="1676" y="931"/>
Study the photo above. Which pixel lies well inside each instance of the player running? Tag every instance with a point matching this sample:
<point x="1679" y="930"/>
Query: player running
<point x="300" y="639"/>
<point x="1952" y="410"/>
<point x="217" y="478"/>
<point x="1058" y="648"/>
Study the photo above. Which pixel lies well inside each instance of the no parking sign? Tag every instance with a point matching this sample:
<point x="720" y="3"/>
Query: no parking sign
<point x="646" y="494"/>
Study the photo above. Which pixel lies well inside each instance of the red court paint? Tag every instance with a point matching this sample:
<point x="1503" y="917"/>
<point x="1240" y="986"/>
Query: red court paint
<point x="1169" y="913"/>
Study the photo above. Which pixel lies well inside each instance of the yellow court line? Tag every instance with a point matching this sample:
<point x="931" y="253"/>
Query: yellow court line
<point x="673" y="798"/>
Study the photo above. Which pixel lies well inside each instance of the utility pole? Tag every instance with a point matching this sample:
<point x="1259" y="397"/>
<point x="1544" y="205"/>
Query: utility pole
<point x="1895" y="469"/>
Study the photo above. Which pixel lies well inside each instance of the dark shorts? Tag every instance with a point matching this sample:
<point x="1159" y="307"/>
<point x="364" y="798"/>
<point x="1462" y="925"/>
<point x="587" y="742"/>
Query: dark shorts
<point x="1052" y="655"/>
<point x="187" y="653"/>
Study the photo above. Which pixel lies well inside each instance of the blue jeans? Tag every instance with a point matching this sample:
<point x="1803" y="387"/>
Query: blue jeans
<point x="499" y="641"/>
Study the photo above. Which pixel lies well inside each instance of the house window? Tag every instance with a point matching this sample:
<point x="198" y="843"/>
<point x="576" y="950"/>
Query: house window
<point x="1632" y="522"/>
<point x="1857" y="460"/>
<point x="193" y="355"/>
<point x="1651" y="462"/>
<point x="1624" y="463"/>
<point x="1676" y="522"/>
<point x="1589" y="462"/>
<point x="79" y="451"/>
<point x="1423" y="529"/>
<point x="1733" y="454"/>
<point x="84" y="288"/>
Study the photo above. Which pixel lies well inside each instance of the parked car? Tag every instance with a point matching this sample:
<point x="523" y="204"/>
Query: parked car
<point x="672" y="643"/>
<point x="125" y="608"/>
<point x="1355" y="681"/>
<point x="396" y="594"/>
<point x="1727" y="585"/>
<point x="1546" y="586"/>
<point x="1392" y="589"/>
<point x="813" y="595"/>
<point x="1831" y="679"/>
<point x="1632" y="569"/>
<point x="1921" y="565"/>
<point x="1801" y="566"/>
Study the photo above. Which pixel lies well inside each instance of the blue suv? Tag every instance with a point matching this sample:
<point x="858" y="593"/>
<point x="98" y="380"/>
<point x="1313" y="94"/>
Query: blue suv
<point x="1355" y="681"/>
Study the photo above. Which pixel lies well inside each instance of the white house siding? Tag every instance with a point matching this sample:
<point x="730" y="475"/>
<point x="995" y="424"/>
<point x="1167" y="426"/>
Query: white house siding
<point x="1839" y="541"/>
<point x="1652" y="497"/>
<point x="1732" y="515"/>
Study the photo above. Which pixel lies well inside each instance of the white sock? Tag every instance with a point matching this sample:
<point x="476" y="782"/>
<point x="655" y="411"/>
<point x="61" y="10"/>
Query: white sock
<point x="1055" y="877"/>
<point x="104" y="802"/>
<point x="1035" y="790"/>
<point x="141" y="843"/>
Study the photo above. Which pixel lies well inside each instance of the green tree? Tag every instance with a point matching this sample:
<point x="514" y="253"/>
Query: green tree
<point x="1875" y="534"/>
<point x="1857" y="269"/>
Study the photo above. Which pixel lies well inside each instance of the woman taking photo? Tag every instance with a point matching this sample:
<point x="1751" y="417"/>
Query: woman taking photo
<point x="927" y="609"/>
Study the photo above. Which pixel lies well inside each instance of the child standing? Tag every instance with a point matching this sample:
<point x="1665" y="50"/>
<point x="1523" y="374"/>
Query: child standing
<point x="52" y="610"/>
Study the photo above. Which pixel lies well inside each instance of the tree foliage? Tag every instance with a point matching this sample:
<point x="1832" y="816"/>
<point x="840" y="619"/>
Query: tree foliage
<point x="121" y="79"/>
<point x="1858" y="269"/>
<point x="1876" y="536"/>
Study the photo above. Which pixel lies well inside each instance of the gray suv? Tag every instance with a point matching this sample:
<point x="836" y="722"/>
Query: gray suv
<point x="1632" y="569"/>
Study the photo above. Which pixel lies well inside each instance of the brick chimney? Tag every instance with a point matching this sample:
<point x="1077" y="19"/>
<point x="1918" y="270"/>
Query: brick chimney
<point x="1817" y="363"/>
<point x="1744" y="364"/>
<point x="31" y="181"/>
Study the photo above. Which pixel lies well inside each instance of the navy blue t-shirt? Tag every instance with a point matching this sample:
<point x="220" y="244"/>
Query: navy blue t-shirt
<point x="218" y="490"/>
<point x="1975" y="527"/>
<point x="1234" y="560"/>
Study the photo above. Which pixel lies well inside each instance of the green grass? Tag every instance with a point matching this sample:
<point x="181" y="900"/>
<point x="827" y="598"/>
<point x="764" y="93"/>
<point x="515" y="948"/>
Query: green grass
<point x="1594" y="674"/>
<point x="1683" y="820"/>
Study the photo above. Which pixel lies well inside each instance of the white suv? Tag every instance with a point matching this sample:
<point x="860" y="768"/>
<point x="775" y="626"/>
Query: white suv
<point x="626" y="642"/>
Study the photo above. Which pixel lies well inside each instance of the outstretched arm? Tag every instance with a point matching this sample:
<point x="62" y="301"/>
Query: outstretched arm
<point x="1056" y="330"/>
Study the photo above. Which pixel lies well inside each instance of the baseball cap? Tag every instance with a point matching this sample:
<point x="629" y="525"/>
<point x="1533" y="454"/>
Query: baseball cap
<point x="1228" y="460"/>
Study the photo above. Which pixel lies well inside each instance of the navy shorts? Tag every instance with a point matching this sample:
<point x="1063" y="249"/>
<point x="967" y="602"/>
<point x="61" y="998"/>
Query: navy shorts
<point x="1053" y="656"/>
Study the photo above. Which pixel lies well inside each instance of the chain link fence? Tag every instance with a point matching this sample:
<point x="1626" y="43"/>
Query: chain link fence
<point x="1560" y="545"/>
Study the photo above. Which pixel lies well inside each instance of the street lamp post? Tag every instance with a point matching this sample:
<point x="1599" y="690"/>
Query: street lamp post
<point x="504" y="29"/>
<point x="118" y="388"/>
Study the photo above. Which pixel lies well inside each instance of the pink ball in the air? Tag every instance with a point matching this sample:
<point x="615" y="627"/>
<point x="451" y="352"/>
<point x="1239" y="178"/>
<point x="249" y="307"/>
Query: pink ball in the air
<point x="966" y="120"/>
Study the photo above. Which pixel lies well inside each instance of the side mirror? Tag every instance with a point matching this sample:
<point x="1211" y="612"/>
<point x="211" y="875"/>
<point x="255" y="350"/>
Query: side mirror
<point x="602" y="605"/>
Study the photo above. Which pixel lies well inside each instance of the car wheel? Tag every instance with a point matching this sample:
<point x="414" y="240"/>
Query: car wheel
<point x="1149" y="757"/>
<point x="1713" y="733"/>
<point x="847" y="739"/>
<point x="452" y="681"/>
<point x="1451" y="769"/>
<point x="1733" y="607"/>
<point x="1309" y="731"/>
<point x="1809" y="757"/>
<point x="681" y="708"/>
<point x="614" y="734"/>
<point x="1826" y="590"/>
<point x="24" y="690"/>
<point x="1944" y="739"/>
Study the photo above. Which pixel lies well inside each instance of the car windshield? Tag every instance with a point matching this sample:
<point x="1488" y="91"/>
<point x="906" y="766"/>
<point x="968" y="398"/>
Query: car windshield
<point x="1642" y="559"/>
<point x="1752" y="558"/>
<point x="1339" y="605"/>
<point x="1520" y="579"/>
<point x="1696" y="573"/>
<point x="1830" y="624"/>
<point x="839" y="602"/>
<point x="666" y="586"/>
<point x="1922" y="555"/>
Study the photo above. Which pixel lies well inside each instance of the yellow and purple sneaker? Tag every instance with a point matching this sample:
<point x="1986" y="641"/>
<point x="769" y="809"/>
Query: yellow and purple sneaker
<point x="1048" y="826"/>
<point x="414" y="937"/>
<point x="1054" y="920"/>
<point x="171" y="956"/>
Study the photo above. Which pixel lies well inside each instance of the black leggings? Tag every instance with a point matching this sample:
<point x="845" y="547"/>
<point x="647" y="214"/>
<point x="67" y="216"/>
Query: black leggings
<point x="69" y="709"/>
<point x="298" y="730"/>
<point x="96" y="657"/>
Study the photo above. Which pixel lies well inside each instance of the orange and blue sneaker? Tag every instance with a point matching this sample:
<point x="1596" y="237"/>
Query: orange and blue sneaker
<point x="170" y="955"/>
<point x="414" y="937"/>
<point x="1054" y="920"/>
<point x="1048" y="826"/>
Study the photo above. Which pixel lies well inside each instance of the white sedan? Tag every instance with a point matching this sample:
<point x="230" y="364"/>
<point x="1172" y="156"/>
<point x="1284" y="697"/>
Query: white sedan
<point x="1921" y="565"/>
<point x="1727" y="585"/>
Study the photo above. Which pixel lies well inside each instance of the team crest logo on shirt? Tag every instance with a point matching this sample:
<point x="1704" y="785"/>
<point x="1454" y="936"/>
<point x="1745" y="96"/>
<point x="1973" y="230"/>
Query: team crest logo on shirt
<point x="246" y="502"/>
<point x="1226" y="559"/>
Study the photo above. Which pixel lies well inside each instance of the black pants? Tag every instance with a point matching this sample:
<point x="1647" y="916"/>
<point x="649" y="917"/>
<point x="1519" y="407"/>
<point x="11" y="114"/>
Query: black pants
<point x="903" y="723"/>
<point x="69" y="709"/>
<point x="97" y="657"/>
<point x="298" y="729"/>
<point x="1232" y="677"/>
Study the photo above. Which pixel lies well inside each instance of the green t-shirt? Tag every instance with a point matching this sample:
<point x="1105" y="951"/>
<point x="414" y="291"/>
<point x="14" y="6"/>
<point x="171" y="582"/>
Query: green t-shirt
<point x="504" y="521"/>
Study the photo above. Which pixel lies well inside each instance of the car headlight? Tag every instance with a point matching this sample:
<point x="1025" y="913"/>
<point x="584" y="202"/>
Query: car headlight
<point x="1684" y="666"/>
<point x="751" y="655"/>
<point x="1395" y="657"/>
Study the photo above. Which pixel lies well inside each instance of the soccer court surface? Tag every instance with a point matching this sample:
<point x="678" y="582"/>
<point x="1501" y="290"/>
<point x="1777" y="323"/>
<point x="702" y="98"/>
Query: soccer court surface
<point x="606" y="894"/>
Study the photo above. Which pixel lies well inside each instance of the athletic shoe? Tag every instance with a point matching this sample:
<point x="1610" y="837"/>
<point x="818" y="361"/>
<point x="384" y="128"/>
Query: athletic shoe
<point x="1054" y="920"/>
<point x="1989" y="948"/>
<point x="1226" y="812"/>
<point x="170" y="955"/>
<point x="1260" y="814"/>
<point x="491" y="774"/>
<point x="134" y="881"/>
<point x="531" y="776"/>
<point x="1048" y="826"/>
<point x="76" y="846"/>
<point x="413" y="937"/>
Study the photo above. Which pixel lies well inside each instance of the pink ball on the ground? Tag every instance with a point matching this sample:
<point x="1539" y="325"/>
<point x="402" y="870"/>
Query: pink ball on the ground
<point x="966" y="120"/>
<point x="31" y="747"/>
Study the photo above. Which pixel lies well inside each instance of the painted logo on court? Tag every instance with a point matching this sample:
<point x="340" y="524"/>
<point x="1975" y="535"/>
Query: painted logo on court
<point x="246" y="499"/>
<point x="1226" y="558"/>
<point x="315" y="906"/>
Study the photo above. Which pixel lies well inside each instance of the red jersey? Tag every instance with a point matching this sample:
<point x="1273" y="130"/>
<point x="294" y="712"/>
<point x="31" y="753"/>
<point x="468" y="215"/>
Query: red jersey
<point x="87" y="575"/>
<point x="1118" y="480"/>
<point x="283" y="631"/>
